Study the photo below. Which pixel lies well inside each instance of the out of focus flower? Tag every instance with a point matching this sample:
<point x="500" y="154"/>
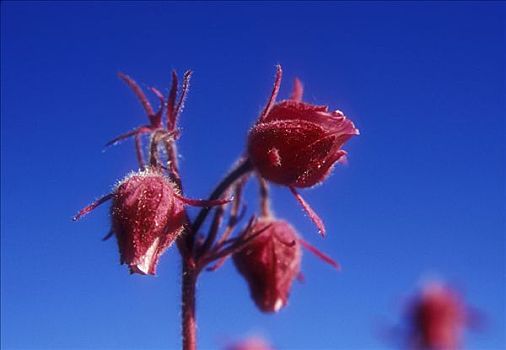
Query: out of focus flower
<point x="253" y="343"/>
<point x="270" y="263"/>
<point x="437" y="319"/>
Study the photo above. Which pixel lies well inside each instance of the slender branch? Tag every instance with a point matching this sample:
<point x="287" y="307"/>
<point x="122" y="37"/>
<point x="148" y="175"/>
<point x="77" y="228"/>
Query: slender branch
<point x="224" y="241"/>
<point x="213" y="231"/>
<point x="235" y="214"/>
<point x="265" y="205"/>
<point x="236" y="244"/>
<point x="218" y="216"/>
<point x="235" y="211"/>
<point x="241" y="169"/>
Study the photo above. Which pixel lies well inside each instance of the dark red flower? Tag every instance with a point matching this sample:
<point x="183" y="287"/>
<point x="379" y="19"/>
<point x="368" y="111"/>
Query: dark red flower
<point x="147" y="215"/>
<point x="295" y="143"/>
<point x="270" y="263"/>
<point x="437" y="317"/>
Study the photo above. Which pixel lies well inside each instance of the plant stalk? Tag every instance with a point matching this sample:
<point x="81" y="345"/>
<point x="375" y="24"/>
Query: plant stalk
<point x="191" y="268"/>
<point x="189" y="281"/>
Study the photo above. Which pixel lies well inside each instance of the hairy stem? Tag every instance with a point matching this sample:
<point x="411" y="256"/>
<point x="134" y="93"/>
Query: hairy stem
<point x="186" y="243"/>
<point x="243" y="167"/>
<point x="189" y="281"/>
<point x="265" y="205"/>
<point x="189" y="272"/>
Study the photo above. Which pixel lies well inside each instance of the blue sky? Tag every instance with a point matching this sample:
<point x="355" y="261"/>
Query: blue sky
<point x="423" y="194"/>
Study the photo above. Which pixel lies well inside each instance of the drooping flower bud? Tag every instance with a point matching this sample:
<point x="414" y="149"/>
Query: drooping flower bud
<point x="270" y="263"/>
<point x="295" y="143"/>
<point x="147" y="217"/>
<point x="437" y="319"/>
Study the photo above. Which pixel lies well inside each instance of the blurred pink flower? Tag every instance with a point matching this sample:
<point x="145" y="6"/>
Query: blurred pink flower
<point x="253" y="343"/>
<point x="438" y="317"/>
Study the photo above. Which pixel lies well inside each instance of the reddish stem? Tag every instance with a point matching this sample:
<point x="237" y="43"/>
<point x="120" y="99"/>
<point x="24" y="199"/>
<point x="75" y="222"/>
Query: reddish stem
<point x="265" y="205"/>
<point x="241" y="169"/>
<point x="186" y="243"/>
<point x="190" y="270"/>
<point x="189" y="281"/>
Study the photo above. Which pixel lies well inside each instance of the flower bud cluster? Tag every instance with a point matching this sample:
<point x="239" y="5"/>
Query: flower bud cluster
<point x="293" y="144"/>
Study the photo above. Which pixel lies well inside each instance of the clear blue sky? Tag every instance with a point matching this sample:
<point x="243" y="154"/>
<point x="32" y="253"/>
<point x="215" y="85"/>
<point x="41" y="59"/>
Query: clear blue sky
<point x="423" y="194"/>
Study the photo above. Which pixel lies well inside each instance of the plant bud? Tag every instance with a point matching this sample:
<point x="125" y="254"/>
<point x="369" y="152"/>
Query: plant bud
<point x="438" y="317"/>
<point x="297" y="144"/>
<point x="147" y="216"/>
<point x="270" y="262"/>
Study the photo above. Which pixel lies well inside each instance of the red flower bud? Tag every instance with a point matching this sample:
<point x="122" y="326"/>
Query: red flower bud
<point x="270" y="263"/>
<point x="147" y="216"/>
<point x="438" y="317"/>
<point x="295" y="143"/>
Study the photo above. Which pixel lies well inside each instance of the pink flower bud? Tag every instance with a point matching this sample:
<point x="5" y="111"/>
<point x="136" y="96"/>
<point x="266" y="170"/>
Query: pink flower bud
<point x="253" y="343"/>
<point x="295" y="143"/>
<point x="270" y="263"/>
<point x="438" y="317"/>
<point x="147" y="216"/>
